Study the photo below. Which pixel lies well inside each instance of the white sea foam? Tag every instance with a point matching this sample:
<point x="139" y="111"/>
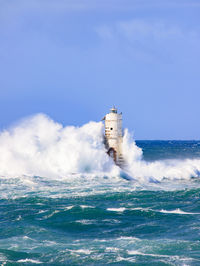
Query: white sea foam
<point x="29" y="261"/>
<point x="42" y="211"/>
<point x="52" y="214"/>
<point x="86" y="206"/>
<point x="119" y="258"/>
<point x="83" y="251"/>
<point x="139" y="209"/>
<point x="38" y="146"/>
<point x="68" y="208"/>
<point x="26" y="237"/>
<point x="122" y="209"/>
<point x="19" y="218"/>
<point x="128" y="238"/>
<point x="112" y="249"/>
<point x="158" y="170"/>
<point x="87" y="222"/>
<point x="171" y="257"/>
<point x="178" y="211"/>
<point x="136" y="252"/>
<point x="116" y="209"/>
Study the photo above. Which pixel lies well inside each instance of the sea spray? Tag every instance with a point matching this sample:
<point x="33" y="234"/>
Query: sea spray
<point x="158" y="170"/>
<point x="38" y="146"/>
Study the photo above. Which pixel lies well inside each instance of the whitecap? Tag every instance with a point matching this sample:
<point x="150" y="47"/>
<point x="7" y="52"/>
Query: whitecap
<point x="86" y="206"/>
<point x="83" y="251"/>
<point x="178" y="211"/>
<point x="68" y="208"/>
<point x="136" y="252"/>
<point x="42" y="211"/>
<point x="26" y="237"/>
<point x="19" y="218"/>
<point x="173" y="257"/>
<point x="112" y="249"/>
<point x="122" y="209"/>
<point x="119" y="258"/>
<point x="29" y="260"/>
<point x="84" y="221"/>
<point x="50" y="215"/>
<point x="129" y="238"/>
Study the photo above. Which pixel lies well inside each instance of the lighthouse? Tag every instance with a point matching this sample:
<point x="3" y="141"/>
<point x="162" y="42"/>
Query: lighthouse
<point x="114" y="136"/>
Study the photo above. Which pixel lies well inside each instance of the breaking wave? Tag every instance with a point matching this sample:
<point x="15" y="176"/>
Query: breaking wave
<point x="157" y="170"/>
<point x="38" y="146"/>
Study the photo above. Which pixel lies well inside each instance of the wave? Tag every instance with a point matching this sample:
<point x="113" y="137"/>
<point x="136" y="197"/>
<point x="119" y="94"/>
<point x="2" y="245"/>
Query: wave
<point x="157" y="170"/>
<point x="29" y="261"/>
<point x="176" y="211"/>
<point x="122" y="209"/>
<point x="172" y="257"/>
<point x="38" y="146"/>
<point x="179" y="211"/>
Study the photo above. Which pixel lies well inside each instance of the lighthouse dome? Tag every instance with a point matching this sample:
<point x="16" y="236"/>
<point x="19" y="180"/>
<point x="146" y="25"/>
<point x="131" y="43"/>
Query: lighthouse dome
<point x="113" y="110"/>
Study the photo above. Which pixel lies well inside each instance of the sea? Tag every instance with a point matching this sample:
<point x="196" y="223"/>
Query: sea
<point x="64" y="202"/>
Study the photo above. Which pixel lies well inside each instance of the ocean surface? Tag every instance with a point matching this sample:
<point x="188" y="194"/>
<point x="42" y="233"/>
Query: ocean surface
<point x="87" y="217"/>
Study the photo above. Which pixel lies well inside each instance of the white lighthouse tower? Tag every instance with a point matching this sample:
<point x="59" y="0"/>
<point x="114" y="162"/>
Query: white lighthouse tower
<point x="113" y="135"/>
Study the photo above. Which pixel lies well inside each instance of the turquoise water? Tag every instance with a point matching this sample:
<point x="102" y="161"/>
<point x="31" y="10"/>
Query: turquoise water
<point x="91" y="219"/>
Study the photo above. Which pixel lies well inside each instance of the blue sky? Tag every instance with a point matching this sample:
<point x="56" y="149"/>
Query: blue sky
<point x="73" y="59"/>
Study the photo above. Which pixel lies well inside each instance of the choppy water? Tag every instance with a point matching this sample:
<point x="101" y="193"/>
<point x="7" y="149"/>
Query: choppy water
<point x="97" y="217"/>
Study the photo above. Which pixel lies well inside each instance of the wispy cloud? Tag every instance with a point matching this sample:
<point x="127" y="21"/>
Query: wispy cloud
<point x="146" y="38"/>
<point x="141" y="29"/>
<point x="138" y="30"/>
